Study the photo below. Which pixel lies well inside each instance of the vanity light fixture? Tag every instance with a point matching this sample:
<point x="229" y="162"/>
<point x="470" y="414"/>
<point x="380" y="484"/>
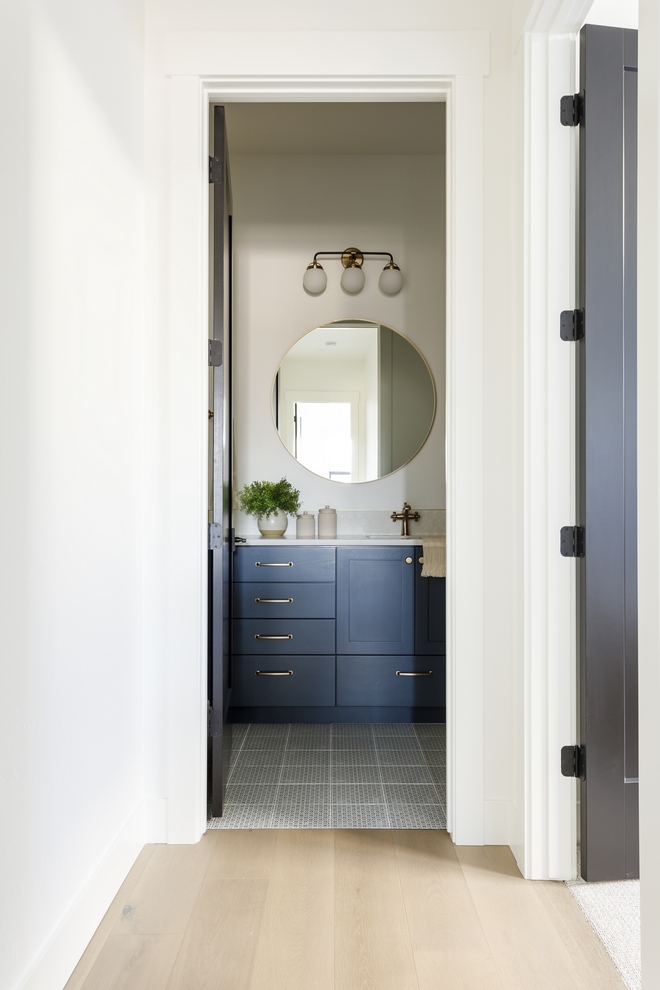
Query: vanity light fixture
<point x="352" y="278"/>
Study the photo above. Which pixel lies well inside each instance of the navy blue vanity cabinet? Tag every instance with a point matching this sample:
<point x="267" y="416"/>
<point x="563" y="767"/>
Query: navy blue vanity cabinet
<point x="409" y="682"/>
<point x="283" y="629"/>
<point x="280" y="564"/>
<point x="276" y="637"/>
<point x="346" y="634"/>
<point x="430" y="612"/>
<point x="375" y="601"/>
<point x="283" y="681"/>
<point x="252" y="600"/>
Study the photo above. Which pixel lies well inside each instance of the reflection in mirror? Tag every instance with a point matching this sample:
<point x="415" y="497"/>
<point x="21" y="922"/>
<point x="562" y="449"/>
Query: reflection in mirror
<point x="353" y="401"/>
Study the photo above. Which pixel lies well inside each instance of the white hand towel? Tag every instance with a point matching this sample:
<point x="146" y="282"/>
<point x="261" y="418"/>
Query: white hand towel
<point x="434" y="549"/>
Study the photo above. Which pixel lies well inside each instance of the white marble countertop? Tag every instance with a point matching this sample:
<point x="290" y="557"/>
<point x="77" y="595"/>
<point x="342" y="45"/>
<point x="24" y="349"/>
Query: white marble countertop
<point x="340" y="541"/>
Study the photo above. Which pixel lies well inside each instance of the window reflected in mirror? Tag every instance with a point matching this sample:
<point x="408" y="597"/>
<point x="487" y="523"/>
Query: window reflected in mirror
<point x="353" y="401"/>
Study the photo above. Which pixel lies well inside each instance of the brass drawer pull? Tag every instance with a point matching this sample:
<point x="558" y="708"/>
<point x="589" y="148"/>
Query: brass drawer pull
<point x="274" y="673"/>
<point x="258" y="636"/>
<point x="259" y="563"/>
<point x="414" y="673"/>
<point x="421" y="560"/>
<point x="274" y="601"/>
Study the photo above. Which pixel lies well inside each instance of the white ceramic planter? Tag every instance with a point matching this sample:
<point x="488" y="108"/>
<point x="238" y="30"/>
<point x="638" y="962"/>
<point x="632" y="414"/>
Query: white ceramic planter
<point x="273" y="525"/>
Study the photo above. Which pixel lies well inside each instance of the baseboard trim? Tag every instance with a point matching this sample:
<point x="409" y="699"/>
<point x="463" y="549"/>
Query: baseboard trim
<point x="59" y="956"/>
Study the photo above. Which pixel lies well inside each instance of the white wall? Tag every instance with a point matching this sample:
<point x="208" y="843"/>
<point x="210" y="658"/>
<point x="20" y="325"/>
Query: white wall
<point x="285" y="209"/>
<point x="71" y="455"/>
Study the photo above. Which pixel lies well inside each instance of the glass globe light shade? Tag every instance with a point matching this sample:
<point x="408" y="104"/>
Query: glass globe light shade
<point x="390" y="280"/>
<point x="352" y="279"/>
<point x="315" y="279"/>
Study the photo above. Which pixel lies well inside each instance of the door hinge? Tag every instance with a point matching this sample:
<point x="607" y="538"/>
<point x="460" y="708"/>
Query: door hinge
<point x="573" y="762"/>
<point x="215" y="170"/>
<point x="215" y="353"/>
<point x="572" y="541"/>
<point x="215" y="722"/>
<point x="571" y="324"/>
<point x="571" y="110"/>
<point x="215" y="536"/>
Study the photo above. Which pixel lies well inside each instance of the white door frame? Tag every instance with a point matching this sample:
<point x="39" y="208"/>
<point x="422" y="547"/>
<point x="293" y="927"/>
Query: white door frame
<point x="444" y="54"/>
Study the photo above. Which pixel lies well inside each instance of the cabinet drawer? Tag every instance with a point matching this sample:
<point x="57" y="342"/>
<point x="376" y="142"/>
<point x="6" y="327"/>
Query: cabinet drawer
<point x="291" y="636"/>
<point x="297" y="681"/>
<point x="285" y="564"/>
<point x="314" y="600"/>
<point x="374" y="681"/>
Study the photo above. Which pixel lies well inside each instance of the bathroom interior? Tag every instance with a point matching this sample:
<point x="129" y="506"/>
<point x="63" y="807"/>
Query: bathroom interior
<point x="334" y="633"/>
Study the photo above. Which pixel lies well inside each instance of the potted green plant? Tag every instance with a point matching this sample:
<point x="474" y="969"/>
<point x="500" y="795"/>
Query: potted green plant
<point x="271" y="502"/>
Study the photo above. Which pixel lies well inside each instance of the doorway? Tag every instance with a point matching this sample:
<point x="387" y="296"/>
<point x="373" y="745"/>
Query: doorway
<point x="302" y="177"/>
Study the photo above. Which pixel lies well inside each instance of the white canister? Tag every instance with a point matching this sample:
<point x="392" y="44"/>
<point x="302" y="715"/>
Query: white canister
<point x="327" y="523"/>
<point x="306" y="526"/>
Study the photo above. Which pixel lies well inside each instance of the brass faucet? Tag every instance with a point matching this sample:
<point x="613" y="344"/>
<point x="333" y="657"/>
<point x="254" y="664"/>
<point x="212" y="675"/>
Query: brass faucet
<point x="404" y="516"/>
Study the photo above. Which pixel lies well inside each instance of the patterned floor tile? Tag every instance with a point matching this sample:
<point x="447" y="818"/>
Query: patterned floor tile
<point x="349" y="774"/>
<point x="359" y="816"/>
<point x="314" y="773"/>
<point x="401" y="758"/>
<point x="438" y="774"/>
<point x="357" y="794"/>
<point x="242" y="774"/>
<point x="244" y="816"/>
<point x="307" y="758"/>
<point x="396" y="729"/>
<point x="346" y="775"/>
<point x="296" y="794"/>
<point x="309" y="737"/>
<point x="354" y="757"/>
<point x="261" y="757"/>
<point x="435" y="757"/>
<point x="406" y="775"/>
<point x="416" y="816"/>
<point x="303" y="816"/>
<point x="251" y="793"/>
<point x="410" y="793"/>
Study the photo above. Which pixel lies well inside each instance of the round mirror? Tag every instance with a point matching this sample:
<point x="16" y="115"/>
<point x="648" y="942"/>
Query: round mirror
<point x="353" y="401"/>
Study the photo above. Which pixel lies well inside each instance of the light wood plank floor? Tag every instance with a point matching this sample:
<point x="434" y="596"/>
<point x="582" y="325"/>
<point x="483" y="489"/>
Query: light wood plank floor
<point x="299" y="909"/>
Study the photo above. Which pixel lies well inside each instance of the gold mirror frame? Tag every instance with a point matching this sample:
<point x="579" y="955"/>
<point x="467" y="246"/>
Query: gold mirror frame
<point x="356" y="319"/>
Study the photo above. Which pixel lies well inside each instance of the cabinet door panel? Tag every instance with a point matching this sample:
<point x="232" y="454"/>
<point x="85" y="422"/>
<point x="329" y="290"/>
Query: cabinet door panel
<point x="430" y="620"/>
<point x="375" y="681"/>
<point x="375" y="600"/>
<point x="311" y="681"/>
<point x="315" y="600"/>
<point x="277" y="637"/>
<point x="284" y="563"/>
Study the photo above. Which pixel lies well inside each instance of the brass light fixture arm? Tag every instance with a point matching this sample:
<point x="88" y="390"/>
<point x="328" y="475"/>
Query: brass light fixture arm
<point x="352" y="257"/>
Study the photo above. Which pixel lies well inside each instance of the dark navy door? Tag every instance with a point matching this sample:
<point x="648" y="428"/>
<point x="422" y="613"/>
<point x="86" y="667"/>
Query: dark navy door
<point x="607" y="455"/>
<point x="375" y="600"/>
<point x="220" y="558"/>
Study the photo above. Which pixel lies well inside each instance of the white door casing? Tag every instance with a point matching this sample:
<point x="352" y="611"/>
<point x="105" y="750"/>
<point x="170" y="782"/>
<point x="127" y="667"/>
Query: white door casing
<point x="428" y="67"/>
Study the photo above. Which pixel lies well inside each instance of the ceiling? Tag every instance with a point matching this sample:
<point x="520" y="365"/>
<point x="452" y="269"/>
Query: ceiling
<point x="336" y="128"/>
